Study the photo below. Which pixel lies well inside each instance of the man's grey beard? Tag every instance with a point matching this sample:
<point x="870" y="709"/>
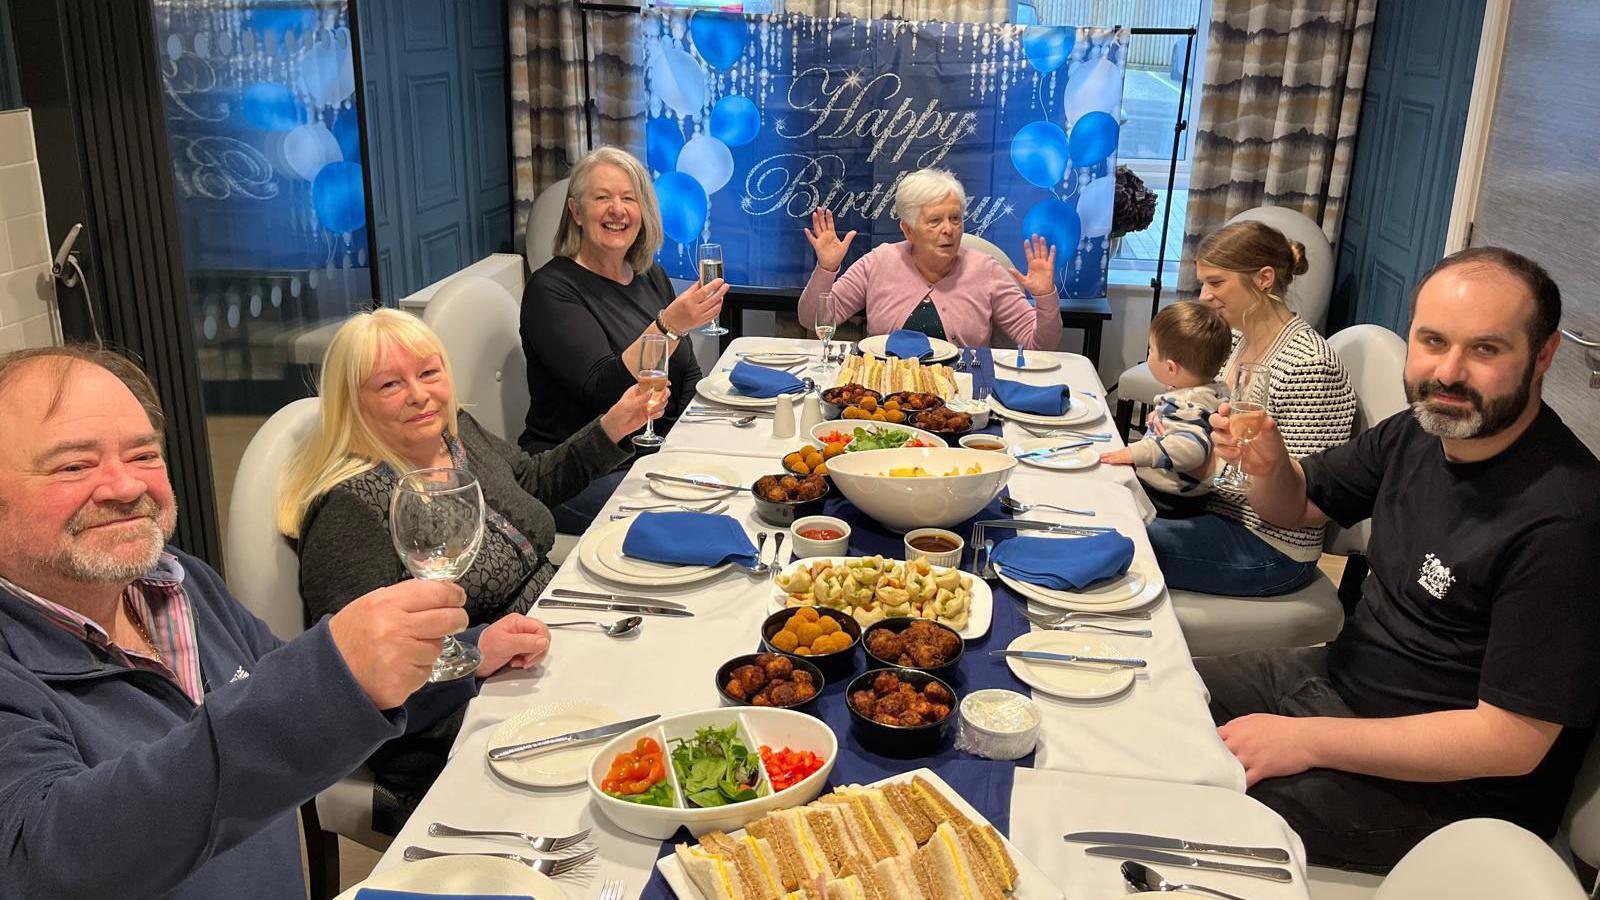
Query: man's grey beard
<point x="76" y="562"/>
<point x="1485" y="418"/>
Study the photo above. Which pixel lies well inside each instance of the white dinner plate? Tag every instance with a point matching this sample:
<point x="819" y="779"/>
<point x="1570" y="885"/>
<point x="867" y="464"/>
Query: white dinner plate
<point x="716" y="388"/>
<point x="979" y="615"/>
<point x="1080" y="409"/>
<point x="1137" y="588"/>
<point x="702" y="469"/>
<point x="1039" y="361"/>
<point x="778" y="356"/>
<point x="942" y="350"/>
<point x="1032" y="883"/>
<point x="462" y="875"/>
<point x="550" y="768"/>
<point x="1081" y="458"/>
<point x="603" y="542"/>
<point x="1074" y="681"/>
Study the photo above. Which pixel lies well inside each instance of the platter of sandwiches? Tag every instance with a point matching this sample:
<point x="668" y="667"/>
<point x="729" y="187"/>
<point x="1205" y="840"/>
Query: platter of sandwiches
<point x="908" y="837"/>
<point x="887" y="375"/>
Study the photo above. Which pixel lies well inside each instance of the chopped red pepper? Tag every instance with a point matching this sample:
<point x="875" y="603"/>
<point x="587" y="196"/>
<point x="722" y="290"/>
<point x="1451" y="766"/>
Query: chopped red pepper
<point x="786" y="768"/>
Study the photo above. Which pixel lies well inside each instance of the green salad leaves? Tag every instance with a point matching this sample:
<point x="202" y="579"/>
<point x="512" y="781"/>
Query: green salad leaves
<point x="715" y="769"/>
<point x="878" y="439"/>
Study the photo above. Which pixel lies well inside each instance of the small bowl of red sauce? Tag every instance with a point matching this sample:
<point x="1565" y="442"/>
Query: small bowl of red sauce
<point x="820" y="536"/>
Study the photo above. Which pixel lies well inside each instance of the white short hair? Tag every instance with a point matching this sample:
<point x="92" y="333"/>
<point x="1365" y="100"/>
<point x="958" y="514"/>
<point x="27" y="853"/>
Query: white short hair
<point x="923" y="187"/>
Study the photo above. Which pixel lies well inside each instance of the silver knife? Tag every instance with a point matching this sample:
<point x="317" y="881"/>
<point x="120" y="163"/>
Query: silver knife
<point x="1031" y="525"/>
<point x="1155" y="842"/>
<point x="641" y="609"/>
<point x="1051" y="451"/>
<point x="576" y="737"/>
<point x="1131" y="662"/>
<point x="697" y="482"/>
<point x="1271" y="873"/>
<point x="616" y="598"/>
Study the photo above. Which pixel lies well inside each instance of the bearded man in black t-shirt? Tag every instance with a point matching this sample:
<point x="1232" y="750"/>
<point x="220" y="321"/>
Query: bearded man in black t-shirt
<point x="1466" y="683"/>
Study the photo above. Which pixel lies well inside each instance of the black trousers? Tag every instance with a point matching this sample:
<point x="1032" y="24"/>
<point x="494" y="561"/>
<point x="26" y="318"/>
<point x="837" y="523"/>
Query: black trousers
<point x="1347" y="820"/>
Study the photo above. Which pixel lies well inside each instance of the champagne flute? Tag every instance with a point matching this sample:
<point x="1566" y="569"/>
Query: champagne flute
<point x="436" y="521"/>
<point x="1247" y="413"/>
<point x="711" y="270"/>
<point x="653" y="375"/>
<point x="824" y="326"/>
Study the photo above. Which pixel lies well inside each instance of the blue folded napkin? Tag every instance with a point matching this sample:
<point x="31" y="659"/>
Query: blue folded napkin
<point x="908" y="344"/>
<point x="688" y="539"/>
<point x="1039" y="399"/>
<point x="1022" y="357"/>
<point x="381" y="894"/>
<point x="1065" y="564"/>
<point x="752" y="380"/>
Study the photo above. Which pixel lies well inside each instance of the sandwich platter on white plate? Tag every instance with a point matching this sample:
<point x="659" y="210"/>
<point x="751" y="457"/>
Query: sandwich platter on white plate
<point x="716" y="388"/>
<point x="1065" y="461"/>
<point x="704" y="470"/>
<point x="1074" y="681"/>
<point x="550" y="768"/>
<point x="1037" y="361"/>
<point x="459" y="875"/>
<point x="600" y="552"/>
<point x="1080" y="409"/>
<point x="1031" y="883"/>
<point x="980" y="611"/>
<point x="942" y="350"/>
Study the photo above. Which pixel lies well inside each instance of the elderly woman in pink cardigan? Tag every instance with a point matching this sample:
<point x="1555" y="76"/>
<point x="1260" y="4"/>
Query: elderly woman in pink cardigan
<point x="929" y="282"/>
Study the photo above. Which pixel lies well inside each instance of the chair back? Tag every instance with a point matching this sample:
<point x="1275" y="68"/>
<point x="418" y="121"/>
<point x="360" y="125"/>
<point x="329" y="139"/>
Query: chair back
<point x="263" y="570"/>
<point x="1480" y="859"/>
<point x="1583" y="809"/>
<point x="1310" y="292"/>
<point x="542" y="222"/>
<point x="480" y="326"/>
<point x="1375" y="360"/>
<point x="987" y="248"/>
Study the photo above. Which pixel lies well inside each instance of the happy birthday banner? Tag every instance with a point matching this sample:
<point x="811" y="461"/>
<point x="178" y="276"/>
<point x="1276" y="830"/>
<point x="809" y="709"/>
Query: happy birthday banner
<point x="755" y="121"/>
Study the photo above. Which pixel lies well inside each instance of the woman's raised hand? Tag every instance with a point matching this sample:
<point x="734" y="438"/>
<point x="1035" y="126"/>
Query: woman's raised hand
<point x="699" y="304"/>
<point x="1041" y="278"/>
<point x="830" y="248"/>
<point x="636" y="404"/>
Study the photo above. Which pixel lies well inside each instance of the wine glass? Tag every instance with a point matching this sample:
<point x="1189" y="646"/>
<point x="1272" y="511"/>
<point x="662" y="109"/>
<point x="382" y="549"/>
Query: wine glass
<point x="653" y="375"/>
<point x="1247" y="412"/>
<point x="711" y="270"/>
<point x="436" y="520"/>
<point x="824" y="326"/>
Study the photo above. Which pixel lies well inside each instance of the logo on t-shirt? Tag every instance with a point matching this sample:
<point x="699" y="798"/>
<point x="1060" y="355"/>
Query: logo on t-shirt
<point x="1435" y="577"/>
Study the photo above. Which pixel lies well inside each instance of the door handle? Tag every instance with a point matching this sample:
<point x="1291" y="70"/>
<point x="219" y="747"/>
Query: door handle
<point x="1577" y="338"/>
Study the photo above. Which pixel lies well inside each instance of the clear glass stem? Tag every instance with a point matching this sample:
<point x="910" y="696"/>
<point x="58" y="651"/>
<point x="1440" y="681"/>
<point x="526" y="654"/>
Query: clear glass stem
<point x="456" y="660"/>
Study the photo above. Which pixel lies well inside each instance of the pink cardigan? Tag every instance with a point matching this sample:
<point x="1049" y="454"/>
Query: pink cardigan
<point x="977" y="295"/>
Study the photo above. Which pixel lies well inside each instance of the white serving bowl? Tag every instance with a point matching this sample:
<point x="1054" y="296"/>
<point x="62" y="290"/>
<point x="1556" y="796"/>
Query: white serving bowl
<point x="977" y="409"/>
<point x="936" y="501"/>
<point x="776" y="728"/>
<point x="970" y="441"/>
<point x="848" y="426"/>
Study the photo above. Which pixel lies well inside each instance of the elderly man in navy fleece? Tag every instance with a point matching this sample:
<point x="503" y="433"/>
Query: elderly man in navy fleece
<point x="155" y="738"/>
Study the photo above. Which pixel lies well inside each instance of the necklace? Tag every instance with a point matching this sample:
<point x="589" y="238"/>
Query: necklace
<point x="144" y="634"/>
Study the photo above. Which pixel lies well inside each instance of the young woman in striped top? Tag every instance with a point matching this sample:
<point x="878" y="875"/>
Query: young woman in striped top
<point x="1244" y="270"/>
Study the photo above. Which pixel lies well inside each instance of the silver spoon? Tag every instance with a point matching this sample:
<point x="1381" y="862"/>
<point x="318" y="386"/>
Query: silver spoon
<point x="1145" y="878"/>
<point x="619" y="628"/>
<point x="735" y="421"/>
<point x="1013" y="505"/>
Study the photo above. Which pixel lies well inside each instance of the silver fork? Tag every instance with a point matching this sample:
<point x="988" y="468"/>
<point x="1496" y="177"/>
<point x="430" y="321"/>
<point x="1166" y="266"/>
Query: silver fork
<point x="540" y="843"/>
<point x="1051" y="620"/>
<point x="777" y="553"/>
<point x="688" y="507"/>
<point x="611" y="890"/>
<point x="552" y="868"/>
<point x="716" y="507"/>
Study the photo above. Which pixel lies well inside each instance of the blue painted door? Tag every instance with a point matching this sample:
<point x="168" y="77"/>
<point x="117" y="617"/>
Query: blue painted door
<point x="1413" y="115"/>
<point x="436" y="104"/>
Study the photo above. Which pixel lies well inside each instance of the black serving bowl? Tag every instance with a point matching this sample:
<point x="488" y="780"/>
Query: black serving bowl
<point x="832" y="409"/>
<point x="725" y="673"/>
<point x="900" y="741"/>
<point x="783" y="514"/>
<point x="836" y="665"/>
<point x="901" y="623"/>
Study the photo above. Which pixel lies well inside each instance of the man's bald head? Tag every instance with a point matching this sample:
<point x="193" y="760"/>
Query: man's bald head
<point x="58" y="362"/>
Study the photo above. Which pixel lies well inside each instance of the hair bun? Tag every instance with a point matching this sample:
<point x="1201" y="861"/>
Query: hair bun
<point x="1297" y="251"/>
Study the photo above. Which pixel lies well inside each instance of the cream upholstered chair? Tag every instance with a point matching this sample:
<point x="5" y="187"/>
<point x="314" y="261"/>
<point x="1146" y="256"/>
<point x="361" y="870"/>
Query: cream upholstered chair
<point x="1480" y="859"/>
<point x="987" y="248"/>
<point x="1374" y="357"/>
<point x="542" y="222"/>
<point x="264" y="574"/>
<point x="1308" y="295"/>
<point x="1582" y="824"/>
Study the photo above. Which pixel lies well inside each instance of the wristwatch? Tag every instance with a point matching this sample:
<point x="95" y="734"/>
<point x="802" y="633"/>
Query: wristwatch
<point x="662" y="327"/>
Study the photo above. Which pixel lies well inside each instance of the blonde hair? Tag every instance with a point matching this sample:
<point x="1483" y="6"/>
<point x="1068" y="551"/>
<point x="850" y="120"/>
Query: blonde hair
<point x="569" y="237"/>
<point x="344" y="446"/>
<point x="923" y="187"/>
<point x="1246" y="248"/>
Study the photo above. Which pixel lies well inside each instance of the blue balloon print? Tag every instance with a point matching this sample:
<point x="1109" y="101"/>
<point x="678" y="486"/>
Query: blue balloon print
<point x="279" y="18"/>
<point x="678" y="80"/>
<point x="683" y="206"/>
<point x="663" y="141"/>
<point x="1056" y="222"/>
<point x="735" y="121"/>
<point x="1039" y="151"/>
<point x="1048" y="48"/>
<point x="1094" y="137"/>
<point x="719" y="37"/>
<point x="339" y="197"/>
<point x="347" y="131"/>
<point x="269" y="106"/>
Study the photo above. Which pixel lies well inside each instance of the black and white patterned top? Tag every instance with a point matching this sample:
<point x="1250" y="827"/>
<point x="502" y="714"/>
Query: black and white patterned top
<point x="1311" y="401"/>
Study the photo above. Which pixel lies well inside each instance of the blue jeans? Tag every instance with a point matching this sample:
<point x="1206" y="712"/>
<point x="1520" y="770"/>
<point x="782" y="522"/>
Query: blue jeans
<point x="575" y="515"/>
<point x="1212" y="554"/>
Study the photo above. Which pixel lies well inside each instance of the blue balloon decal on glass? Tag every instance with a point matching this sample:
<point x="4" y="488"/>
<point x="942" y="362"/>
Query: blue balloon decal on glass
<point x="1057" y="222"/>
<point x="1039" y="151"/>
<point x="1047" y="48"/>
<point x="735" y="121"/>
<point x="339" y="197"/>
<point x="663" y="141"/>
<point x="278" y="18"/>
<point x="678" y="80"/>
<point x="708" y="161"/>
<point x="683" y="206"/>
<point x="347" y="131"/>
<point x="269" y="106"/>
<point x="719" y="38"/>
<point x="1094" y="137"/>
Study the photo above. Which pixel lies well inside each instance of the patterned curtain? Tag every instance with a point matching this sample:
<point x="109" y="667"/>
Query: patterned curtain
<point x="1278" y="113"/>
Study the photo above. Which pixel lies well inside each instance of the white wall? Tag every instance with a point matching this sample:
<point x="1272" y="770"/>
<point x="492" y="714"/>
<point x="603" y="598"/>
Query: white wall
<point x="27" y="292"/>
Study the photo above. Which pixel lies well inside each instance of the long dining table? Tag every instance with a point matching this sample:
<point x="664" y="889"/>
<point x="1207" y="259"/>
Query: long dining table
<point x="1148" y="760"/>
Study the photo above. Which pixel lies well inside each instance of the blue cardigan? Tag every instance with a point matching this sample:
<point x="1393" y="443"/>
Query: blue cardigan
<point x="114" y="784"/>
